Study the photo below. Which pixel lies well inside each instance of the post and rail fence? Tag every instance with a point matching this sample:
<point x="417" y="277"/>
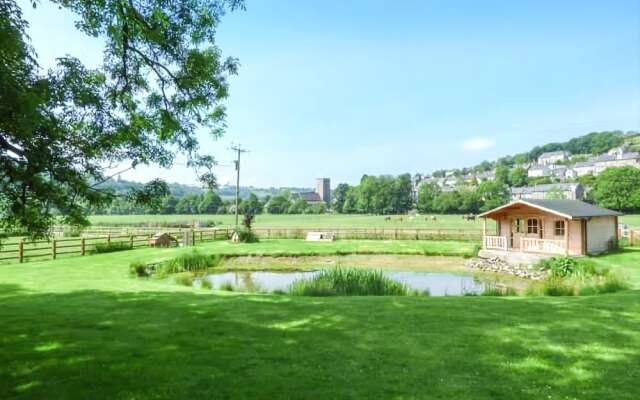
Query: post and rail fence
<point x="24" y="250"/>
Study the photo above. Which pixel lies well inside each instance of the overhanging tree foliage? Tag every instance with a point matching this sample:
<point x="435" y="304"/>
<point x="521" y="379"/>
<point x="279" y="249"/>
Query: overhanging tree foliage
<point x="162" y="78"/>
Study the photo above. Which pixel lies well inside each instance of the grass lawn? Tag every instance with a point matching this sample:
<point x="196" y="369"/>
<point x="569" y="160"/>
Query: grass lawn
<point x="81" y="328"/>
<point x="301" y="221"/>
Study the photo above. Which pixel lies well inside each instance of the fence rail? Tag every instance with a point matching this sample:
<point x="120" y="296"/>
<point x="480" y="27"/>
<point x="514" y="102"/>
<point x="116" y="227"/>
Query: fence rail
<point x="25" y="250"/>
<point x="546" y="246"/>
<point x="495" y="242"/>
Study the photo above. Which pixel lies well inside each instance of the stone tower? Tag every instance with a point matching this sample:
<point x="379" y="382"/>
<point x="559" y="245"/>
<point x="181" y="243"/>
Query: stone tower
<point x="323" y="188"/>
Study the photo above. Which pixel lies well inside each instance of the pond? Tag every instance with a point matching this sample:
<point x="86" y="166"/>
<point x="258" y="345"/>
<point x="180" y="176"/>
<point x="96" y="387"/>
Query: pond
<point x="437" y="283"/>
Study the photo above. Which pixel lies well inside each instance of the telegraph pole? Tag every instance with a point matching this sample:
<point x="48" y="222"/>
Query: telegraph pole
<point x="239" y="150"/>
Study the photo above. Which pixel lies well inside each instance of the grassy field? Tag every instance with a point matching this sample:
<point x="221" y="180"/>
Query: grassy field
<point x="83" y="328"/>
<point x="316" y="221"/>
<point x="301" y="221"/>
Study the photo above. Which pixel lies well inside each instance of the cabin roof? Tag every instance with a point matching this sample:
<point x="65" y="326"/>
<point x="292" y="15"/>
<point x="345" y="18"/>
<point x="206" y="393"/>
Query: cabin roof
<point x="572" y="209"/>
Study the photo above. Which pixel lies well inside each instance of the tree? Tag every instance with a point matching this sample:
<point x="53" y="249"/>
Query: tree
<point x="318" y="208"/>
<point x="518" y="177"/>
<point x="401" y="200"/>
<point x="252" y="203"/>
<point x="447" y="202"/>
<point x="298" y="207"/>
<point x="493" y="194"/>
<point x="169" y="204"/>
<point x="502" y="173"/>
<point x="278" y="204"/>
<point x="162" y="79"/>
<point x="618" y="188"/>
<point x="209" y="203"/>
<point x="427" y="194"/>
<point x="339" y="196"/>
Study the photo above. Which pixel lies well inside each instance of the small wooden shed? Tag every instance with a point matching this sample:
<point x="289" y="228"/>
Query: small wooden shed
<point x="162" y="239"/>
<point x="563" y="227"/>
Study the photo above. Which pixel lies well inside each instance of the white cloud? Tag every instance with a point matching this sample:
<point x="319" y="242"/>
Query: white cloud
<point x="478" y="144"/>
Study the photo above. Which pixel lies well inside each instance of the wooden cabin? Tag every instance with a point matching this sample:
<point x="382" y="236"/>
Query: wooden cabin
<point x="550" y="227"/>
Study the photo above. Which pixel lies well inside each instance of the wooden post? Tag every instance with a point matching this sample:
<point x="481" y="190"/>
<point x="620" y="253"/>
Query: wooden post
<point x="82" y="247"/>
<point x="108" y="239"/>
<point x="53" y="249"/>
<point x="131" y="240"/>
<point x="484" y="231"/>
<point x="566" y="237"/>
<point x="21" y="250"/>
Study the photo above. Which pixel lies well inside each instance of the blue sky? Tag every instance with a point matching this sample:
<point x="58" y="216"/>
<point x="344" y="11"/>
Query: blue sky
<point x="345" y="88"/>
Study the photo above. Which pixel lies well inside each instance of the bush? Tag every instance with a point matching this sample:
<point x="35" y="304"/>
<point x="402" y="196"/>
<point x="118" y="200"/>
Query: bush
<point x="563" y="267"/>
<point x="246" y="235"/>
<point x="184" y="279"/>
<point x="226" y="286"/>
<point x="349" y="282"/>
<point x="205" y="284"/>
<point x="192" y="261"/>
<point x="111" y="247"/>
<point x="139" y="269"/>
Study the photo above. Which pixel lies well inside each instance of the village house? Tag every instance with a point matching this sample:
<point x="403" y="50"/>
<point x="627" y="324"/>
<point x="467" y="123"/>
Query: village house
<point x="617" y="159"/>
<point x="532" y="227"/>
<point x="553" y="157"/>
<point x="539" y="171"/>
<point x="571" y="191"/>
<point x="584" y="168"/>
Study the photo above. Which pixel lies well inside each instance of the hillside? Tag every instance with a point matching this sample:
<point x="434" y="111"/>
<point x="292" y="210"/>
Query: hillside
<point x="122" y="186"/>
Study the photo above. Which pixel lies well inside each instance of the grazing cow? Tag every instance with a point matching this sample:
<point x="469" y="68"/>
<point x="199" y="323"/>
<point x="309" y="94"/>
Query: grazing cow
<point x="387" y="218"/>
<point x="433" y="218"/>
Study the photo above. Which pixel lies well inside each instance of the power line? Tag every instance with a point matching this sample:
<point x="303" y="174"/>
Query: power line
<point x="239" y="150"/>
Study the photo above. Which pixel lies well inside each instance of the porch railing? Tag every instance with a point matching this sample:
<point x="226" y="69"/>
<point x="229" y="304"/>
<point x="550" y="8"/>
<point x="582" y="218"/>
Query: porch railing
<point x="495" y="242"/>
<point x="546" y="246"/>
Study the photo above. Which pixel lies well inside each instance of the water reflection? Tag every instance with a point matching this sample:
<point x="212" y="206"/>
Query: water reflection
<point x="437" y="283"/>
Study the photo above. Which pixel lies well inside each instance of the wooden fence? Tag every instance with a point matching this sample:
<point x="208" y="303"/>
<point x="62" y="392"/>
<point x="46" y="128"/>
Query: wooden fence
<point x="632" y="235"/>
<point x="24" y="250"/>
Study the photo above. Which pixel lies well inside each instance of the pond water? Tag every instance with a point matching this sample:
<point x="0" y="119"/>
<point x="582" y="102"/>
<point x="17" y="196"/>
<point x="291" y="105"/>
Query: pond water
<point x="437" y="283"/>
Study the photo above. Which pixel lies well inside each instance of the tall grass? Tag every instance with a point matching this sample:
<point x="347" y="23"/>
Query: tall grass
<point x="192" y="261"/>
<point x="349" y="282"/>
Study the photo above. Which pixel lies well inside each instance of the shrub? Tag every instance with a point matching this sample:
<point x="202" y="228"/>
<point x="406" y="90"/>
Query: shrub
<point x="205" y="284"/>
<point x="226" y="286"/>
<point x="111" y="247"/>
<point x="139" y="269"/>
<point x="192" y="261"/>
<point x="184" y="279"/>
<point x="563" y="267"/>
<point x="246" y="235"/>
<point x="348" y="282"/>
<point x="279" y="292"/>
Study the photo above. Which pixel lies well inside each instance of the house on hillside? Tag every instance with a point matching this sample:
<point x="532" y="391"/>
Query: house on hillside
<point x="571" y="191"/>
<point x="584" y="168"/>
<point x="531" y="227"/>
<point x="486" y="176"/>
<point x="563" y="173"/>
<point x="617" y="159"/>
<point x="553" y="157"/>
<point x="539" y="171"/>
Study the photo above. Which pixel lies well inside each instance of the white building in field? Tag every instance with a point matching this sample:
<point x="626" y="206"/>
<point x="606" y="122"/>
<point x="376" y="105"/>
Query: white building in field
<point x="553" y="157"/>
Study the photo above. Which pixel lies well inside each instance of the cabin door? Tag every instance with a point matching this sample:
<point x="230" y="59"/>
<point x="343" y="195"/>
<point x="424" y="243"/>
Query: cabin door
<point x="518" y="230"/>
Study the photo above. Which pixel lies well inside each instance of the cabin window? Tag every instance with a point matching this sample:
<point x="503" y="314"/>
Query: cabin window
<point x="559" y="228"/>
<point x="517" y="226"/>
<point x="532" y="226"/>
